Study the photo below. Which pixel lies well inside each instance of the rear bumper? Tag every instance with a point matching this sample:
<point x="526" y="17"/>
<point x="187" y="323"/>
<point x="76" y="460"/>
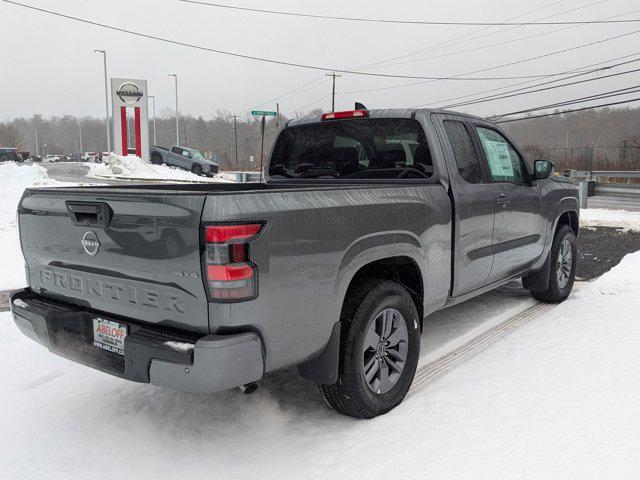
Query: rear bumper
<point x="163" y="357"/>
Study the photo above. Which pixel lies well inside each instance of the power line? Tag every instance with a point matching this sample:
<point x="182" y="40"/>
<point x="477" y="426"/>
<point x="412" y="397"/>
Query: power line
<point x="500" y="97"/>
<point x="568" y="77"/>
<point x="516" y="62"/>
<point x="496" y="67"/>
<point x="314" y="83"/>
<point x="452" y="42"/>
<point x="403" y="22"/>
<point x="248" y="57"/>
<point x="569" y="111"/>
<point x="506" y="42"/>
<point x="440" y="45"/>
<point x="588" y="98"/>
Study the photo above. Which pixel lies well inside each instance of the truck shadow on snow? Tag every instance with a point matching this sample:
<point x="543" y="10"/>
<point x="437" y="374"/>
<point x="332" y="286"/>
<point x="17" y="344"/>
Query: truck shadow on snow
<point x="284" y="396"/>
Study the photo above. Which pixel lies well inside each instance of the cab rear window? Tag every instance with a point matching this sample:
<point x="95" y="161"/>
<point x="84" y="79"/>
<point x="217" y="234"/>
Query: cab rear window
<point x="369" y="148"/>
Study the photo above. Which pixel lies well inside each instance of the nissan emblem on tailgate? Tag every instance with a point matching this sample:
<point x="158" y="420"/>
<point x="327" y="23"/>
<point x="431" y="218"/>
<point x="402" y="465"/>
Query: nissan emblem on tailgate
<point x="90" y="243"/>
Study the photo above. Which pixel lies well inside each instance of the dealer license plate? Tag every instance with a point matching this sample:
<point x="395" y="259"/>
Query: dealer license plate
<point x="109" y="335"/>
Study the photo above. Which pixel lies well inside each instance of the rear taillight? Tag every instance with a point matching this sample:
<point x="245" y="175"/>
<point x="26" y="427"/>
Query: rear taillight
<point x="231" y="276"/>
<point x="346" y="114"/>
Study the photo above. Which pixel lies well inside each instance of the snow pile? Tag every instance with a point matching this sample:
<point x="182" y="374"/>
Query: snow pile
<point x="134" y="168"/>
<point x="604" y="217"/>
<point x="14" y="179"/>
<point x="557" y="398"/>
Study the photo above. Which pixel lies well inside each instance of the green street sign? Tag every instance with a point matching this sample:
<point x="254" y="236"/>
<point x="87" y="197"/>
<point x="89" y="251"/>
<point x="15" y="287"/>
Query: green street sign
<point x="262" y="113"/>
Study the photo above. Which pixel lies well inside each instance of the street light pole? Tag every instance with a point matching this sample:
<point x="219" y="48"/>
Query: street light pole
<point x="106" y="96"/>
<point x="153" y="102"/>
<point x="175" y="77"/>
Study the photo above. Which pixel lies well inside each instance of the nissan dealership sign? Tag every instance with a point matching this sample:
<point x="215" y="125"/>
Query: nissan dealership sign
<point x="129" y="93"/>
<point x="129" y="99"/>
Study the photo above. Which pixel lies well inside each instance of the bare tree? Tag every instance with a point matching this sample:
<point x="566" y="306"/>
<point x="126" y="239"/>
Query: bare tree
<point x="10" y="136"/>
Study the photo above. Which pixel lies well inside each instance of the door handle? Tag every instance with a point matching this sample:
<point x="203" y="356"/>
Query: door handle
<point x="503" y="200"/>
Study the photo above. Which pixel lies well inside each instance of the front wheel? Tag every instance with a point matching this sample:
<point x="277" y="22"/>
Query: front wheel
<point x="562" y="274"/>
<point x="379" y="350"/>
<point x="196" y="169"/>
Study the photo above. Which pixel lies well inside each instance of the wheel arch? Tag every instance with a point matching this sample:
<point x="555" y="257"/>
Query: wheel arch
<point x="398" y="264"/>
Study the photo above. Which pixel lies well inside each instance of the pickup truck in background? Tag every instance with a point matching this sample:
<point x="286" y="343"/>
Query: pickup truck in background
<point x="368" y="222"/>
<point x="10" y="155"/>
<point x="185" y="158"/>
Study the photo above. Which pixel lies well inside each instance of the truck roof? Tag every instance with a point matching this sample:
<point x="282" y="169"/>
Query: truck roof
<point x="382" y="113"/>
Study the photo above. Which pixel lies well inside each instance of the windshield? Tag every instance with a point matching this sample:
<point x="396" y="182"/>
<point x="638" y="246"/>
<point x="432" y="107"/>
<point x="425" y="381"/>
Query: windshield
<point x="195" y="154"/>
<point x="374" y="148"/>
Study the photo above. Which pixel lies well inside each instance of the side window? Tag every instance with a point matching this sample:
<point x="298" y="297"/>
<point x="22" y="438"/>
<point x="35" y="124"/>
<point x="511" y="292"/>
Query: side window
<point x="176" y="150"/>
<point x="463" y="151"/>
<point x="504" y="162"/>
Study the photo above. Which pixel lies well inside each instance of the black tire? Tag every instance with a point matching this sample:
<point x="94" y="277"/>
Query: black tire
<point x="196" y="169"/>
<point x="351" y="394"/>
<point x="558" y="290"/>
<point x="156" y="159"/>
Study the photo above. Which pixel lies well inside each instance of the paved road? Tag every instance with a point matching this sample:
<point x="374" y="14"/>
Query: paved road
<point x="616" y="203"/>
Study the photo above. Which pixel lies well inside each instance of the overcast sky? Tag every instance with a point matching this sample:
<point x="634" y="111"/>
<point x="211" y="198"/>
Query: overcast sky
<point x="48" y="66"/>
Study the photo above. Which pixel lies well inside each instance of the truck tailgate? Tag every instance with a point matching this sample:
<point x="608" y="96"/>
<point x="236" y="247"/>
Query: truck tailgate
<point x="134" y="254"/>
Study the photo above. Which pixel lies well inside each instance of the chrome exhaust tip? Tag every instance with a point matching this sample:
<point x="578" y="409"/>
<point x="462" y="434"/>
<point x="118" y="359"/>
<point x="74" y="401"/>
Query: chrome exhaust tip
<point x="248" y="388"/>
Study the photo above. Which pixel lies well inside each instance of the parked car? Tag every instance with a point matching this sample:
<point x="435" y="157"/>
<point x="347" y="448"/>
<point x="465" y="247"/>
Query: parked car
<point x="185" y="158"/>
<point x="89" y="156"/>
<point x="9" y="155"/>
<point x="331" y="265"/>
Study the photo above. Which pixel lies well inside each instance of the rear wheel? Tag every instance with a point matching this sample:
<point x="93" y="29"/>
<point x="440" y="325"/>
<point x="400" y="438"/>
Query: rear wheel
<point x="379" y="350"/>
<point x="196" y="169"/>
<point x="156" y="159"/>
<point x="563" y="256"/>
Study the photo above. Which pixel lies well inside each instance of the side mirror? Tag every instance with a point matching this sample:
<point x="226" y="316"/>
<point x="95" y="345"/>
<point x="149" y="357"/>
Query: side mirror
<point x="542" y="169"/>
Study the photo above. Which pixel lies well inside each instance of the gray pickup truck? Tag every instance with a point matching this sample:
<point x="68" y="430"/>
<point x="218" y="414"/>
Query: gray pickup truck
<point x="368" y="222"/>
<point x="185" y="158"/>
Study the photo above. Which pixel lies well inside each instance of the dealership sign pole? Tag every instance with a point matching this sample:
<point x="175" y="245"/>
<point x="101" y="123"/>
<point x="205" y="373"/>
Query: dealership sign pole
<point x="129" y="93"/>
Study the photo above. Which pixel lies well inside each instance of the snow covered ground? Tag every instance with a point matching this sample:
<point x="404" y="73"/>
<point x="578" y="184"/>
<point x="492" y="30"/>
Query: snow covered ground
<point x="14" y="178"/>
<point x="555" y="399"/>
<point x="131" y="167"/>
<point x="604" y="217"/>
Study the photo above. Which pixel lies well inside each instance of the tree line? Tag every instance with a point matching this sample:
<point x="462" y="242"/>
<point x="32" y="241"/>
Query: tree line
<point x="604" y="139"/>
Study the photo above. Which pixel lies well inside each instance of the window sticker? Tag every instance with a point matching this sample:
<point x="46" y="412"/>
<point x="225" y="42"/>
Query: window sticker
<point x="499" y="158"/>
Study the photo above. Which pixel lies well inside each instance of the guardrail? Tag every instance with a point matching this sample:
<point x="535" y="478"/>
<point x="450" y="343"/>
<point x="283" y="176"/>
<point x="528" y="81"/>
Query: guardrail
<point x="589" y="186"/>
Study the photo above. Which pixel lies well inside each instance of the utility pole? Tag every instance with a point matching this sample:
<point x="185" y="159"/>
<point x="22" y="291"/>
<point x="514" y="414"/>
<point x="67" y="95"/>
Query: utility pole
<point x="235" y="134"/>
<point x="153" y="102"/>
<point x="80" y="135"/>
<point x="333" y="89"/>
<point x="106" y="96"/>
<point x="186" y="141"/>
<point x="175" y="77"/>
